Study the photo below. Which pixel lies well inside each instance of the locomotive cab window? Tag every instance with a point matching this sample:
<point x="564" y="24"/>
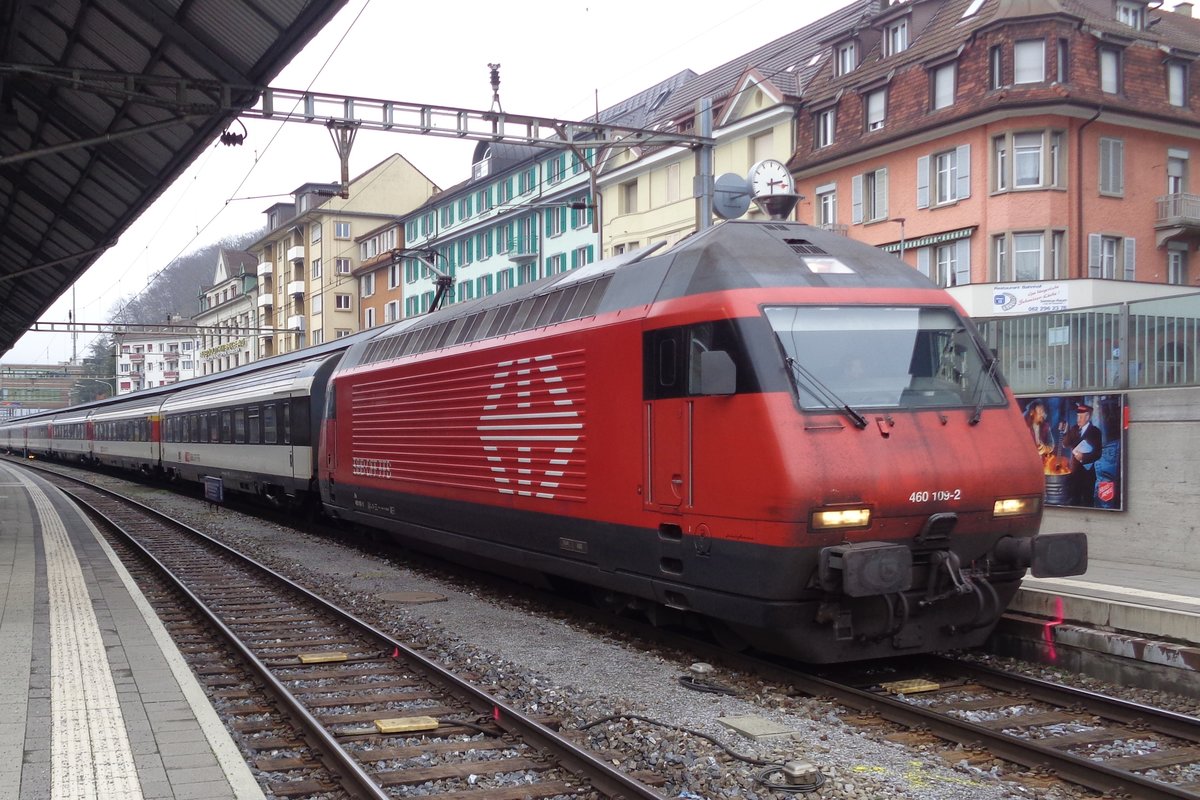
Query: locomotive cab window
<point x="673" y="359"/>
<point x="883" y="356"/>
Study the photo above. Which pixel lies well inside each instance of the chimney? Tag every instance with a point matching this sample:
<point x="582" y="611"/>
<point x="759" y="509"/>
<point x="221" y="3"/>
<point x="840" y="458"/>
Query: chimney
<point x="1183" y="8"/>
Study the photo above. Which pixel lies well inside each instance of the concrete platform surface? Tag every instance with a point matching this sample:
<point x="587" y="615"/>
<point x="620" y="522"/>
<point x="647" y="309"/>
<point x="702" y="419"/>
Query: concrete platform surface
<point x="95" y="699"/>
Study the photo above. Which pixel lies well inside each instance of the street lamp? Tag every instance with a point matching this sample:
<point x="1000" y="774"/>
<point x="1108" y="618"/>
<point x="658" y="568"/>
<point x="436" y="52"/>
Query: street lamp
<point x="901" y="220"/>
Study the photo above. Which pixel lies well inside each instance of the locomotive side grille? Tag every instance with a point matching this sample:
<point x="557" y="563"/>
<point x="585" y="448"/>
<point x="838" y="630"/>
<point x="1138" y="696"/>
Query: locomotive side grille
<point x="805" y="248"/>
<point x="515" y="427"/>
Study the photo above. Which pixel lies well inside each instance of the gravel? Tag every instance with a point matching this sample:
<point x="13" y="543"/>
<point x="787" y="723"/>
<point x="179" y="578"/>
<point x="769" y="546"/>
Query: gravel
<point x="551" y="666"/>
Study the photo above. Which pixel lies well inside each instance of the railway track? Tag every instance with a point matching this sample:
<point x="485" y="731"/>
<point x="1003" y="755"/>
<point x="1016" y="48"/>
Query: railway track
<point x="1105" y="744"/>
<point x="323" y="703"/>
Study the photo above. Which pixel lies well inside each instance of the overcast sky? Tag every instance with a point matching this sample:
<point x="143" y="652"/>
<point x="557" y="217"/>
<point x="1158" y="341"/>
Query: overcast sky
<point x="555" y="59"/>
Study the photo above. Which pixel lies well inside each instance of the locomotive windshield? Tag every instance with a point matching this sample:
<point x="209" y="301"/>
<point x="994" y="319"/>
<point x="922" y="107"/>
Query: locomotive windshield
<point x="883" y="356"/>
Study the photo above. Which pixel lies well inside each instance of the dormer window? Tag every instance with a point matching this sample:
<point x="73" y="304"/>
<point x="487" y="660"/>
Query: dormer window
<point x="876" y="109"/>
<point x="895" y="37"/>
<point x="1132" y="14"/>
<point x="1029" y="61"/>
<point x="847" y="57"/>
<point x="1177" y="84"/>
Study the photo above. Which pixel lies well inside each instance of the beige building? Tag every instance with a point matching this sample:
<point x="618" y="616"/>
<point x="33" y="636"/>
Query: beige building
<point x="228" y="314"/>
<point x="308" y="292"/>
<point x="647" y="195"/>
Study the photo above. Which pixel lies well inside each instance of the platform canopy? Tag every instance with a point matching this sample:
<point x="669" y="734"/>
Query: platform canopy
<point x="102" y="104"/>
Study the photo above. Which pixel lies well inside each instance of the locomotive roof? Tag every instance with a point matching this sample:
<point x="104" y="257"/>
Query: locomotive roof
<point x="729" y="256"/>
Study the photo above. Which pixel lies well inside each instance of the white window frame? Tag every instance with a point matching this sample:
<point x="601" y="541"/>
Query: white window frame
<point x="343" y="266"/>
<point x="315" y="270"/>
<point x="1177" y="266"/>
<point x="895" y="37"/>
<point x="846" y="57"/>
<point x="826" y="205"/>
<point x="869" y="196"/>
<point x="367" y="285"/>
<point x="825" y="127"/>
<point x="1132" y="14"/>
<point x="341" y="230"/>
<point x="1112" y="257"/>
<point x="1029" y="150"/>
<point x="341" y="302"/>
<point x="944" y="177"/>
<point x="1177" y="84"/>
<point x="1032" y="246"/>
<point x="1029" y="61"/>
<point x="368" y="318"/>
<point x="875" y="109"/>
<point x="1110" y="70"/>
<point x="1112" y="167"/>
<point x="944" y="87"/>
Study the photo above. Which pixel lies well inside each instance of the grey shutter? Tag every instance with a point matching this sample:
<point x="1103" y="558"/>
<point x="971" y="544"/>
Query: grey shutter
<point x="962" y="157"/>
<point x="881" y="194"/>
<point x="923" y="261"/>
<point x="962" y="265"/>
<point x="1093" y="255"/>
<point x="1130" y="257"/>
<point x="856" y="192"/>
<point x="923" y="182"/>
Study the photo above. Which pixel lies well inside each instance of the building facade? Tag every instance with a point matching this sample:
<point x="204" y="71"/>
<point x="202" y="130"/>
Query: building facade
<point x="525" y="213"/>
<point x="1029" y="156"/>
<point x="308" y="293"/>
<point x="228" y="315"/>
<point x="147" y="360"/>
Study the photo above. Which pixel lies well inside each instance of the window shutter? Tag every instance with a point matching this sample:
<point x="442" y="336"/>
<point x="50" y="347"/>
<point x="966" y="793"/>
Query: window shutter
<point x="962" y="267"/>
<point x="1093" y="255"/>
<point x="923" y="261"/>
<point x="562" y="219"/>
<point x="881" y="193"/>
<point x="923" y="182"/>
<point x="591" y="253"/>
<point x="1130" y="257"/>
<point x="962" y="157"/>
<point x="856" y="192"/>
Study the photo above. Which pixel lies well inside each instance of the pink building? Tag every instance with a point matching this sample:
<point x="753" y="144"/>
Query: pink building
<point x="1012" y="142"/>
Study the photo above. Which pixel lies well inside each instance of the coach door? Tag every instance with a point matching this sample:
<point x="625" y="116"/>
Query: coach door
<point x="668" y="416"/>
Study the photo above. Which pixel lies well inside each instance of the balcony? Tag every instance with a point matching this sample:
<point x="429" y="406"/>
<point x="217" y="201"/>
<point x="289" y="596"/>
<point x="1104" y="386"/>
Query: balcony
<point x="522" y="257"/>
<point x="1177" y="217"/>
<point x="295" y="322"/>
<point x="296" y="288"/>
<point x="137" y="358"/>
<point x="171" y="373"/>
<point x="266" y="300"/>
<point x="265" y="269"/>
<point x="296" y="253"/>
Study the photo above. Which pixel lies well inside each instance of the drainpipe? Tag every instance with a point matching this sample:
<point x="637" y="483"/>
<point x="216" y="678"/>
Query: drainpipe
<point x="1080" y="236"/>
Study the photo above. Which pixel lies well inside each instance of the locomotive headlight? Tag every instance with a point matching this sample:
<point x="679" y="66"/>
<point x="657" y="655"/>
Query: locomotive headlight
<point x="1016" y="506"/>
<point x="841" y="518"/>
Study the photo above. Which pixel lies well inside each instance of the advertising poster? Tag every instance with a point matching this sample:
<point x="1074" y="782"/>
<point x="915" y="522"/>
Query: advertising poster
<point x="1081" y="440"/>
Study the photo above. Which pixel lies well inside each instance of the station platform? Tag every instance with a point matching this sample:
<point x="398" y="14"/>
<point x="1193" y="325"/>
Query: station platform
<point x="1132" y="624"/>
<point x="95" y="699"/>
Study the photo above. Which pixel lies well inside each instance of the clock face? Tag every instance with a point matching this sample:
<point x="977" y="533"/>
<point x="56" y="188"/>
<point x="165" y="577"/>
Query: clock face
<point x="769" y="177"/>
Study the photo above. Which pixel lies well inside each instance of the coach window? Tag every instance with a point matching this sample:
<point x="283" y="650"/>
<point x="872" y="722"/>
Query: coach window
<point x="239" y="426"/>
<point x="193" y="428"/>
<point x="270" y="436"/>
<point x="202" y="426"/>
<point x="286" y="422"/>
<point x="300" y="432"/>
<point x="255" y="425"/>
<point x="214" y="427"/>
<point x="226" y="427"/>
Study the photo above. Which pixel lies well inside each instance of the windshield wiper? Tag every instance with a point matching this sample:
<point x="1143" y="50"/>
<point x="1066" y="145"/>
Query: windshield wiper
<point x="823" y="392"/>
<point x="979" y="390"/>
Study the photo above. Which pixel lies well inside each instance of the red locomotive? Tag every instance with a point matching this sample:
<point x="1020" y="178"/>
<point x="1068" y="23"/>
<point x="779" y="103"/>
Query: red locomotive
<point x="790" y="436"/>
<point x="784" y="432"/>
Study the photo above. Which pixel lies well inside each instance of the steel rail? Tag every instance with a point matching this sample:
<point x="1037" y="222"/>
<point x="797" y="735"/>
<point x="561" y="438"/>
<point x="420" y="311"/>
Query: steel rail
<point x="600" y="775"/>
<point x="1160" y="720"/>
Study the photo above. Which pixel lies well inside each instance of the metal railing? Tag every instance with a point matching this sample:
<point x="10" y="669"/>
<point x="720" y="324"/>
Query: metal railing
<point x="1140" y="345"/>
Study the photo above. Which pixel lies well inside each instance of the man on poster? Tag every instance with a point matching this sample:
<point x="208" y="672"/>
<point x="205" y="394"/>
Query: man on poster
<point x="1085" y="443"/>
